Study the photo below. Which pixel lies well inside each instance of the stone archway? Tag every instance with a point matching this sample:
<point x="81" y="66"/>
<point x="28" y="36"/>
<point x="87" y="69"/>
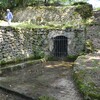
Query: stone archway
<point x="60" y="46"/>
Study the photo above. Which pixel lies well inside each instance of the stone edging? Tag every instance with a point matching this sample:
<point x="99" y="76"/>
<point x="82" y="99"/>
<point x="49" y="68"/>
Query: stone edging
<point x="20" y="65"/>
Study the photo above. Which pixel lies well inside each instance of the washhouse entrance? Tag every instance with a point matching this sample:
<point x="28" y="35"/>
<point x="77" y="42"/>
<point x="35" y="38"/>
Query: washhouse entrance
<point x="60" y="46"/>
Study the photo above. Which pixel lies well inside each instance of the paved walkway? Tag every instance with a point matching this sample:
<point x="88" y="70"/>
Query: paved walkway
<point x="4" y="23"/>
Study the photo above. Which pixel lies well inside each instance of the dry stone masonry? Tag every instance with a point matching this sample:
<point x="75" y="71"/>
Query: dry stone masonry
<point x="24" y="43"/>
<point x="20" y="43"/>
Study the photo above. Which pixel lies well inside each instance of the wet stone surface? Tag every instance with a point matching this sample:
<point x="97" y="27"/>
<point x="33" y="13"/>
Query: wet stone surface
<point x="52" y="79"/>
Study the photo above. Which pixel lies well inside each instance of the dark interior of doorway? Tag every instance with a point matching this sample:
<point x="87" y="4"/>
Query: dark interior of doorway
<point x="60" y="46"/>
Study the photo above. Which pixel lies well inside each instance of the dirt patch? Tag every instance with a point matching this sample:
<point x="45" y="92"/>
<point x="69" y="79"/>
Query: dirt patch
<point x="53" y="79"/>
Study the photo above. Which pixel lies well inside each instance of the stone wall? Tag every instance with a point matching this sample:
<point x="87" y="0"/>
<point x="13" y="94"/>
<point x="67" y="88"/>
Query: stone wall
<point x="24" y="43"/>
<point x="19" y="43"/>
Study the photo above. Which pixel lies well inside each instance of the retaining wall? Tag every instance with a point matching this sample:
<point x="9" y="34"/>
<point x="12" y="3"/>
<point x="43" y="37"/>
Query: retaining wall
<point x="25" y="43"/>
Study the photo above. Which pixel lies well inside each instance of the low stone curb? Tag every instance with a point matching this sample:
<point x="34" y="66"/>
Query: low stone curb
<point x="20" y="65"/>
<point x="16" y="67"/>
<point x="17" y="93"/>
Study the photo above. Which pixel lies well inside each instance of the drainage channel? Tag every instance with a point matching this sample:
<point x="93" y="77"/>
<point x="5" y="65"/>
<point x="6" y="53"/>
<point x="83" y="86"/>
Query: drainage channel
<point x="13" y="95"/>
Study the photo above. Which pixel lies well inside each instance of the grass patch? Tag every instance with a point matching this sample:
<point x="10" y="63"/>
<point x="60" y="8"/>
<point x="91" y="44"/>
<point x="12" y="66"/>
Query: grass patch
<point x="48" y="26"/>
<point x="97" y="9"/>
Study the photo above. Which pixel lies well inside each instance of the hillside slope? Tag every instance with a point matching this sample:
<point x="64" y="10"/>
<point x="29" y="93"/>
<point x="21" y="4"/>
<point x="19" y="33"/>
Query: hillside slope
<point x="63" y="15"/>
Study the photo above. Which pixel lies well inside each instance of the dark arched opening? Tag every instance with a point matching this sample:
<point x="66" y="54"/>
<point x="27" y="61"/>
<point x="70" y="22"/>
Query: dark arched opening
<point x="60" y="46"/>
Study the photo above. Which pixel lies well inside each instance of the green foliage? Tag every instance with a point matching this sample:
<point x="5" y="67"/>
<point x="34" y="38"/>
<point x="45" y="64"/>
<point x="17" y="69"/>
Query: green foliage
<point x="3" y="3"/>
<point x="2" y="62"/>
<point x="14" y="3"/>
<point x="71" y="57"/>
<point x="86" y="84"/>
<point x="38" y="52"/>
<point x="15" y="61"/>
<point x="49" y="25"/>
<point x="85" y="10"/>
<point x="79" y="3"/>
<point x="89" y="46"/>
<point x="97" y="9"/>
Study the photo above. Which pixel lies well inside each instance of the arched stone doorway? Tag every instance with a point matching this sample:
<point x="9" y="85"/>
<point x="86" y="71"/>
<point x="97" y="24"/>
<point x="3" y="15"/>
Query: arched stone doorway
<point x="60" y="44"/>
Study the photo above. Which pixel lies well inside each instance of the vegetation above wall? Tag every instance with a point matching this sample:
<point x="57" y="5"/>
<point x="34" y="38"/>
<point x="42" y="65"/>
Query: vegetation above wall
<point x="85" y="10"/>
<point x="49" y="26"/>
<point x="52" y="17"/>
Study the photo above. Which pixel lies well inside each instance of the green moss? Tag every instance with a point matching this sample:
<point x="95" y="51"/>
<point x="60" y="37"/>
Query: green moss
<point x="79" y="3"/>
<point x="89" y="46"/>
<point x="15" y="61"/>
<point x="87" y="88"/>
<point x="51" y="58"/>
<point x="72" y="57"/>
<point x="49" y="25"/>
<point x="97" y="9"/>
<point x="2" y="62"/>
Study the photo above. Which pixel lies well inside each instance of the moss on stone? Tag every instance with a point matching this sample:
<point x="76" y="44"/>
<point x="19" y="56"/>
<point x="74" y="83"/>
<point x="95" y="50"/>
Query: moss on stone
<point x="72" y="57"/>
<point x="88" y="89"/>
<point x="15" y="66"/>
<point x="85" y="73"/>
<point x="15" y="61"/>
<point x="89" y="46"/>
